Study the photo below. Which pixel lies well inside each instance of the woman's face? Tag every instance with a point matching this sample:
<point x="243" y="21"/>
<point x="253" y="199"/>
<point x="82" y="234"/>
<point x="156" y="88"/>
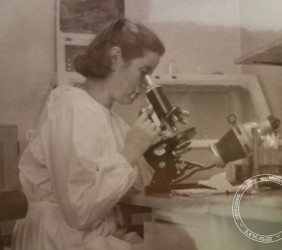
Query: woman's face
<point x="128" y="77"/>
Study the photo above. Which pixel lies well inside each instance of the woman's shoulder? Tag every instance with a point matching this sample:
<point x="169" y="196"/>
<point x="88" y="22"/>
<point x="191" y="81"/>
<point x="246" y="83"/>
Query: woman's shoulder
<point x="71" y="99"/>
<point x="68" y="93"/>
<point x="70" y="96"/>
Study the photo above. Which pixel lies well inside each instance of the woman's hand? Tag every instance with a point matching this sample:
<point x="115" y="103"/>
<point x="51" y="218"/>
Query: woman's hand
<point x="140" y="137"/>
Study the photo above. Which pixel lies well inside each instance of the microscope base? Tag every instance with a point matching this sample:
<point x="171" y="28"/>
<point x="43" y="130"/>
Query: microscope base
<point x="162" y="189"/>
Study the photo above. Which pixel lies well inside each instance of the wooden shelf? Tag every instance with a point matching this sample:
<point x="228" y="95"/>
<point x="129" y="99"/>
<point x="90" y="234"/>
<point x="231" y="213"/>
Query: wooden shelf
<point x="270" y="54"/>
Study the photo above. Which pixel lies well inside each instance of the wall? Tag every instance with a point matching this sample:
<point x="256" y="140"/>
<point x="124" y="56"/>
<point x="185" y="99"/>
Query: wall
<point x="200" y="36"/>
<point x="261" y="25"/>
<point x="27" y="60"/>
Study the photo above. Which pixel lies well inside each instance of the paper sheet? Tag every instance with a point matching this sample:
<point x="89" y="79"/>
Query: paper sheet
<point x="217" y="184"/>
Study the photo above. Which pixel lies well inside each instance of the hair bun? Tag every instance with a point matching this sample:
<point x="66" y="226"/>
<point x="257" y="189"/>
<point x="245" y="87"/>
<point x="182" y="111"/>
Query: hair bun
<point x="80" y="63"/>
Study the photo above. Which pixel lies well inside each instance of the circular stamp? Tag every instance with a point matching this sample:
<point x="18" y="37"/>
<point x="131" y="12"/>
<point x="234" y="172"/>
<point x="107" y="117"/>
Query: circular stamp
<point x="236" y="208"/>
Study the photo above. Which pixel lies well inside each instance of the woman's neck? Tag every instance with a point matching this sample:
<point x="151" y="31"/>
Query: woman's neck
<point x="98" y="89"/>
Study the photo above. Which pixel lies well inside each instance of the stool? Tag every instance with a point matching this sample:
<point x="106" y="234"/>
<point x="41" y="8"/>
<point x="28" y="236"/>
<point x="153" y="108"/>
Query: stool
<point x="13" y="206"/>
<point x="134" y="217"/>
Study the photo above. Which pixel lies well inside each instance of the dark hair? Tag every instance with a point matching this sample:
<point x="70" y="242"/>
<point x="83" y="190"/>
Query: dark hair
<point x="133" y="38"/>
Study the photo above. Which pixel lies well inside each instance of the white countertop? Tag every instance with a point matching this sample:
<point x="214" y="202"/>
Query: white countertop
<point x="265" y="206"/>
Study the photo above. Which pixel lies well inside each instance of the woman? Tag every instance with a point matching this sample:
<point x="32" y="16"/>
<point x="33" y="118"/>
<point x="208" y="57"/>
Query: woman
<point x="82" y="158"/>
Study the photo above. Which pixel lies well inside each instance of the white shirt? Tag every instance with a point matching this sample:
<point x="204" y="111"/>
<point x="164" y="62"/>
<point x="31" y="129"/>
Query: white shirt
<point x="73" y="175"/>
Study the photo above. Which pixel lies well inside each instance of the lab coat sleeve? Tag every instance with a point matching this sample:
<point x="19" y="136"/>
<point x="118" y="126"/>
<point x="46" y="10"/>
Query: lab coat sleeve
<point x="145" y="171"/>
<point x="145" y="174"/>
<point x="88" y="181"/>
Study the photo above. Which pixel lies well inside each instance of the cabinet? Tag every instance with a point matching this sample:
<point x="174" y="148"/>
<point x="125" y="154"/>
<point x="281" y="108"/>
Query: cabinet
<point x="9" y="157"/>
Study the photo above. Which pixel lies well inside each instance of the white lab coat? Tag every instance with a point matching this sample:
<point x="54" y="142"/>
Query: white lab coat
<point x="73" y="176"/>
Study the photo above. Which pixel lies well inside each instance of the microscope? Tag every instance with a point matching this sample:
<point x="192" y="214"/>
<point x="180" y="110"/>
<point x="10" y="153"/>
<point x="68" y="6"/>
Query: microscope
<point x="165" y="156"/>
<point x="237" y="143"/>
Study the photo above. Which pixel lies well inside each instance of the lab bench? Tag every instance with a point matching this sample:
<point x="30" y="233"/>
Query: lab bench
<point x="206" y="222"/>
